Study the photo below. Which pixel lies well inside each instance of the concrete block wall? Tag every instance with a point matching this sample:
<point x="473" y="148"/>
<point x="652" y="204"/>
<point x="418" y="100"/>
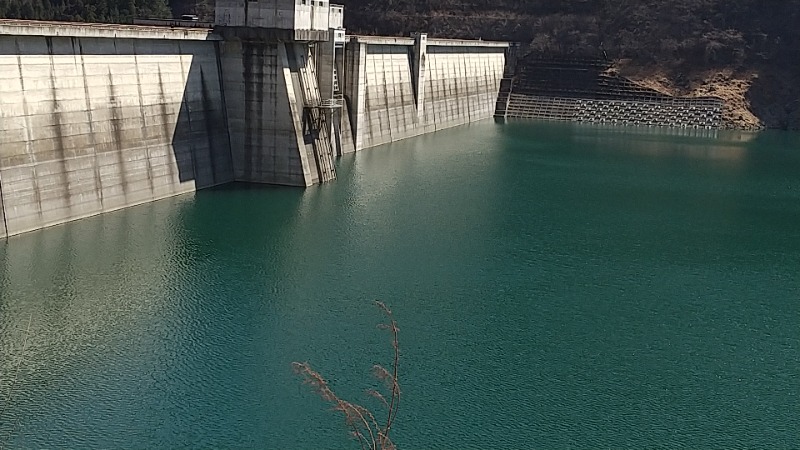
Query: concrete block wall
<point x="458" y="84"/>
<point x="89" y="125"/>
<point x="678" y="113"/>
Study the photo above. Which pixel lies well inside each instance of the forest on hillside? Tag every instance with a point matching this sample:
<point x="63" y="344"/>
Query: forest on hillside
<point x="711" y="32"/>
<point x="114" y="11"/>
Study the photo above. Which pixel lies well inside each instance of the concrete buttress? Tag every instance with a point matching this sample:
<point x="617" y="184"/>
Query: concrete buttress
<point x="419" y="62"/>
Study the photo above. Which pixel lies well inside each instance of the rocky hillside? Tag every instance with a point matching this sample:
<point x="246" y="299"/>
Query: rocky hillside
<point x="744" y="51"/>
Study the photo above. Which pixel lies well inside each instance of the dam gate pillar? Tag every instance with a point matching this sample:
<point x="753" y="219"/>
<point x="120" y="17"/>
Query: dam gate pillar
<point x="278" y="87"/>
<point x="419" y="70"/>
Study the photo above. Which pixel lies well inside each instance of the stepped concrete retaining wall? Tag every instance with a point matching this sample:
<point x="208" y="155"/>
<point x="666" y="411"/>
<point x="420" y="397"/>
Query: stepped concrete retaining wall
<point x="680" y="113"/>
<point x="402" y="87"/>
<point x="588" y="91"/>
<point x="91" y="122"/>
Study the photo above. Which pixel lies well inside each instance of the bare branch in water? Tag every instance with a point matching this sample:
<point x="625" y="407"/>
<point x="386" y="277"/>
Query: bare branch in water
<point x="364" y="427"/>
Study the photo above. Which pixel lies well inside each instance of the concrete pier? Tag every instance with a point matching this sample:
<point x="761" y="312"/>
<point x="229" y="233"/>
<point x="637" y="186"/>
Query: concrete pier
<point x="264" y="116"/>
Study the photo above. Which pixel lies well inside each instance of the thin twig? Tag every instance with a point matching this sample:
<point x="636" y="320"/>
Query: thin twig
<point x="360" y="419"/>
<point x="14" y="383"/>
<point x="394" y="401"/>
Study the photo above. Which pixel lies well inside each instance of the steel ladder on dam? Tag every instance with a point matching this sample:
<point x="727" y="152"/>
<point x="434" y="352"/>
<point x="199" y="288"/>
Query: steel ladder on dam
<point x="316" y="128"/>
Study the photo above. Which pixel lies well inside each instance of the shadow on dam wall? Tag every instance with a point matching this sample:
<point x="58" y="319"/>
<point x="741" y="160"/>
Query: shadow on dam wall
<point x="90" y="125"/>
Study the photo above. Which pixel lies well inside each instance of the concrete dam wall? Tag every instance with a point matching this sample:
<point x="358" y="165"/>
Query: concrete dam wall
<point x="399" y="87"/>
<point x="95" y="118"/>
<point x="91" y="123"/>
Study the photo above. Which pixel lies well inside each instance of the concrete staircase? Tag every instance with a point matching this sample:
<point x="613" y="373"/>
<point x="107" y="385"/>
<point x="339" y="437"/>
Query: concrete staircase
<point x="544" y="108"/>
<point x="503" y="98"/>
<point x="506" y="84"/>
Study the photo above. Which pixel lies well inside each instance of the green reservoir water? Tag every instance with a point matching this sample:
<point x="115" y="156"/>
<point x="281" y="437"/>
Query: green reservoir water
<point x="555" y="285"/>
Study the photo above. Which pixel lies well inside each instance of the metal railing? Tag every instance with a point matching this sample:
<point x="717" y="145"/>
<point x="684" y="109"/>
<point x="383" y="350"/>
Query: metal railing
<point x="331" y="103"/>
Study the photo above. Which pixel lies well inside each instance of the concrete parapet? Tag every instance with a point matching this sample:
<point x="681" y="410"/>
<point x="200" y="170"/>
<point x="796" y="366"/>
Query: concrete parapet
<point x="409" y="41"/>
<point x="11" y="27"/>
<point x="270" y="34"/>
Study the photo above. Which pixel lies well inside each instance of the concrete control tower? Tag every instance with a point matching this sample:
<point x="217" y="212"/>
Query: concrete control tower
<point x="309" y="20"/>
<point x="279" y="59"/>
<point x="316" y="15"/>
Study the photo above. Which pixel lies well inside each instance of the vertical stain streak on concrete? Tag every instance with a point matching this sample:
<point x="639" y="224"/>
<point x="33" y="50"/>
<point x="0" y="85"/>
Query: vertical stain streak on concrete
<point x="145" y="133"/>
<point x="400" y="86"/>
<point x="117" y="122"/>
<point x="162" y="98"/>
<point x="224" y="108"/>
<point x="368" y="122"/>
<point x="210" y="126"/>
<point x="485" y="90"/>
<point x="274" y="75"/>
<point x="386" y="97"/>
<point x="37" y="195"/>
<point x="4" y="223"/>
<point x="187" y="105"/>
<point x="248" y="50"/>
<point x="414" y="85"/>
<point x="61" y="155"/>
<point x="260" y="56"/>
<point x="98" y="181"/>
<point x="466" y="90"/>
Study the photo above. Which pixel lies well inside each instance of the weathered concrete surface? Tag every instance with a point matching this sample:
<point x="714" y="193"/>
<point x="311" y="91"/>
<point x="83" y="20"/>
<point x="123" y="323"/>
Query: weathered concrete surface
<point x="95" y="118"/>
<point x="276" y="14"/>
<point x="13" y="27"/>
<point x="3" y="232"/>
<point x="398" y="88"/>
<point x="89" y="125"/>
<point x="268" y="90"/>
